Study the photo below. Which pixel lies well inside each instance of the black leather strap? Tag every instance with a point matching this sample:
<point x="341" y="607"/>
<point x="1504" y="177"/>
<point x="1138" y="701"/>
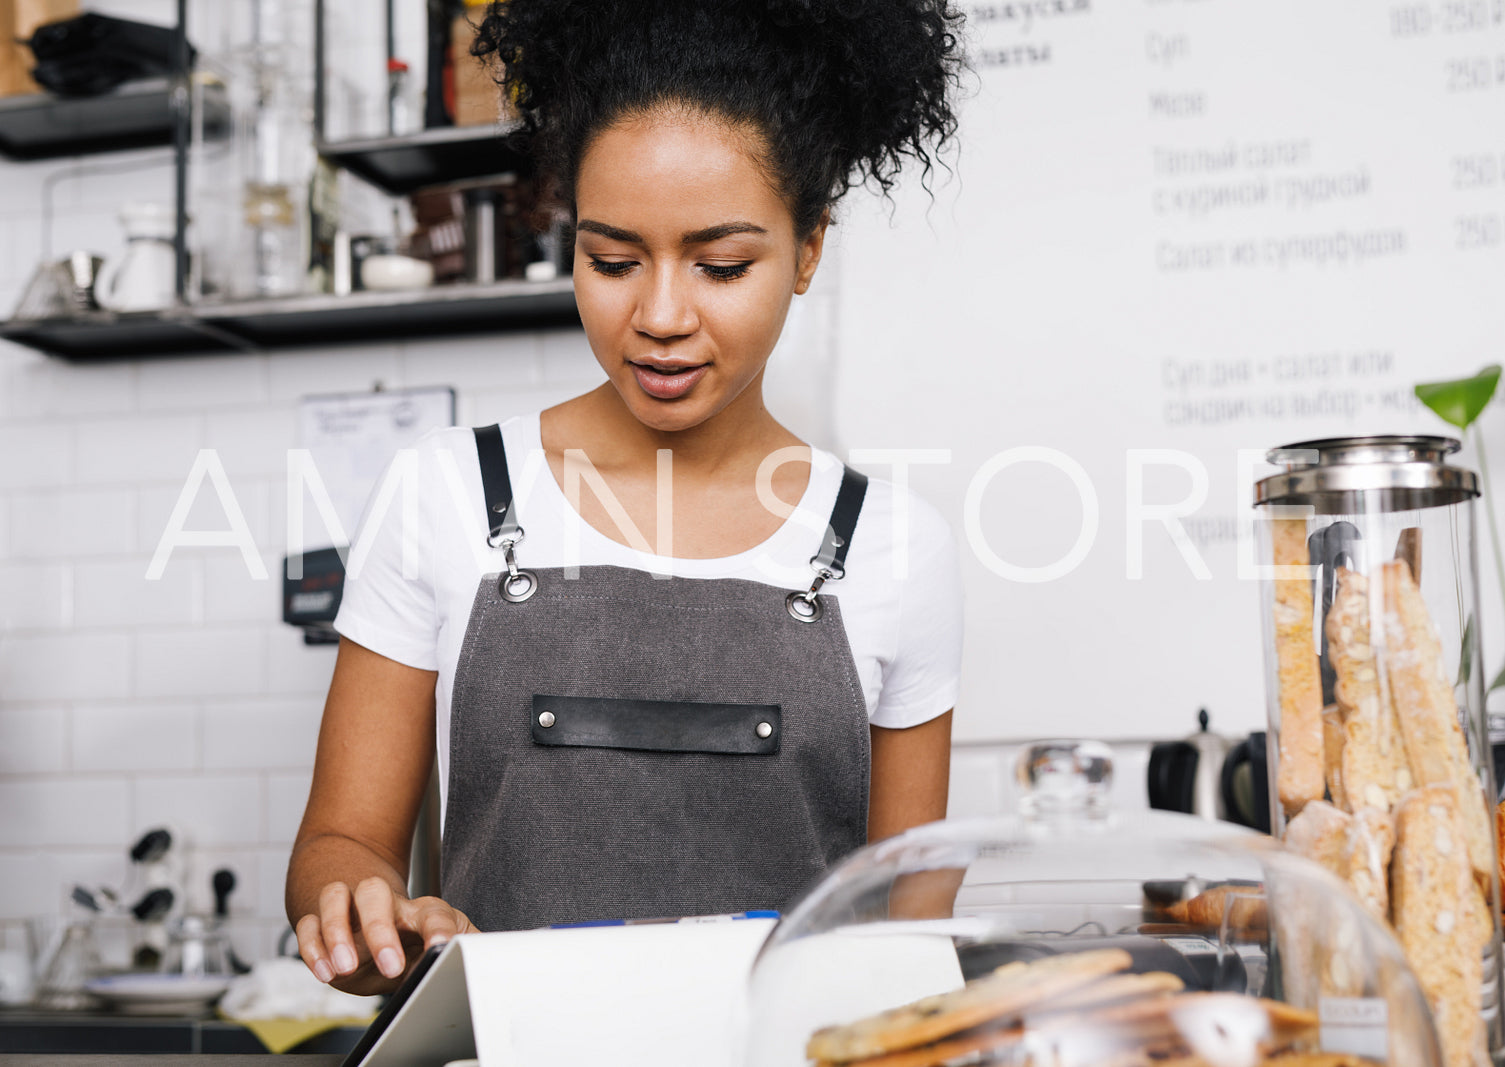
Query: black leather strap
<point x="833" y="547"/>
<point x="496" y="485"/>
<point x="656" y="725"/>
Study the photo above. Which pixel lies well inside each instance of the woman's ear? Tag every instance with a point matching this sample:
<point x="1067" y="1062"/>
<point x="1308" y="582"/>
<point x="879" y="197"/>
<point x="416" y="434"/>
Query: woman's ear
<point x="809" y="256"/>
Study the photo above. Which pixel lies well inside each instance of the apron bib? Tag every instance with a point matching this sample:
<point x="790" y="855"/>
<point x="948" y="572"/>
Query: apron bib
<point x="627" y="746"/>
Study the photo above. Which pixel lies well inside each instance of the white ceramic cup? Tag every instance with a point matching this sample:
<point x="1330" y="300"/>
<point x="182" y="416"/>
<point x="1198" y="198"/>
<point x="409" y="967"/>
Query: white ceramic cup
<point x="16" y="980"/>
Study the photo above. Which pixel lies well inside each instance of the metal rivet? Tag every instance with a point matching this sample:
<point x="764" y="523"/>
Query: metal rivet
<point x="546" y="719"/>
<point x="765" y="730"/>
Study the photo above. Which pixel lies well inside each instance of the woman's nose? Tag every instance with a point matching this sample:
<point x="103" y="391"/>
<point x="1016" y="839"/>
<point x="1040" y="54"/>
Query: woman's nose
<point x="665" y="307"/>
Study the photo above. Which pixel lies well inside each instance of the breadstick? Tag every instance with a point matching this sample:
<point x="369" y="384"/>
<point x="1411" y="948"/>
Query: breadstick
<point x="1300" y="778"/>
<point x="1440" y="917"/>
<point x="1374" y="771"/>
<point x="1423" y="700"/>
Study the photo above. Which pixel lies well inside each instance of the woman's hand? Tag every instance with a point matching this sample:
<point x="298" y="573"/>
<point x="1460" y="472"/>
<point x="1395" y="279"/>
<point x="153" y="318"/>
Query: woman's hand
<point x="364" y="941"/>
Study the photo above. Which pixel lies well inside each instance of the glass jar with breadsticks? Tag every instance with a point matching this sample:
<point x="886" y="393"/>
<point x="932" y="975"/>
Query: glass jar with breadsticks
<point x="1073" y="935"/>
<point x="1379" y="753"/>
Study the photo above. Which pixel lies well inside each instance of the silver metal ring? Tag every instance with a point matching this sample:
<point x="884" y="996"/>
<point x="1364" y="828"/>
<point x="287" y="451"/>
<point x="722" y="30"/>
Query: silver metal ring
<point x="803" y="609"/>
<point x="504" y="536"/>
<point x="515" y="588"/>
<point x="831" y="571"/>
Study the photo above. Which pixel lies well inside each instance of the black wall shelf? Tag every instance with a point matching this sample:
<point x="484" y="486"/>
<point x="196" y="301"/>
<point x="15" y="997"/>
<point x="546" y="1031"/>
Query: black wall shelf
<point x="399" y="165"/>
<point x="257" y="325"/>
<point x="137" y="115"/>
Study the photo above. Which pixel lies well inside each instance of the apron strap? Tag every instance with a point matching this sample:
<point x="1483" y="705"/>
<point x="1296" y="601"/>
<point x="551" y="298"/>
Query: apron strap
<point x="501" y="515"/>
<point x="502" y="530"/>
<point x="829" y="563"/>
<point x="833" y="547"/>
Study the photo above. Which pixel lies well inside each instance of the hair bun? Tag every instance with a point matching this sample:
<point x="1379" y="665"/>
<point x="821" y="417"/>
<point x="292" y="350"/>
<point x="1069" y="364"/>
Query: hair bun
<point x="844" y="91"/>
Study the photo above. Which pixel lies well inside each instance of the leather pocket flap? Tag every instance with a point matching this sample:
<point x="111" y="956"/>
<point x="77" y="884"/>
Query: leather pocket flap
<point x="657" y="725"/>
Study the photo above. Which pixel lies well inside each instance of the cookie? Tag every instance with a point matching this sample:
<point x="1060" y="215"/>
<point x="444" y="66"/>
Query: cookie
<point x="1003" y="995"/>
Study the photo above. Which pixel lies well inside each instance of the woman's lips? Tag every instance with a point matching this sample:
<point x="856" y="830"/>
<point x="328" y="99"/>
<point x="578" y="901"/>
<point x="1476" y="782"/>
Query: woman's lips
<point x="668" y="383"/>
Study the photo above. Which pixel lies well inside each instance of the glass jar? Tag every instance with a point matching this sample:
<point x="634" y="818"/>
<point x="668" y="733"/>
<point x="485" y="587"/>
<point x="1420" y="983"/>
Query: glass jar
<point x="1074" y="936"/>
<point x="1379" y="739"/>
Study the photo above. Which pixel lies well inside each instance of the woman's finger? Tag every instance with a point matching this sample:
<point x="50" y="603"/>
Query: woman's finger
<point x="334" y="927"/>
<point x="376" y="904"/>
<point x="433" y="920"/>
<point x="311" y="948"/>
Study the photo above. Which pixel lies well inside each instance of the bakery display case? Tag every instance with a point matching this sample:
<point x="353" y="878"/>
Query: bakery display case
<point x="1074" y="935"/>
<point x="1379" y="738"/>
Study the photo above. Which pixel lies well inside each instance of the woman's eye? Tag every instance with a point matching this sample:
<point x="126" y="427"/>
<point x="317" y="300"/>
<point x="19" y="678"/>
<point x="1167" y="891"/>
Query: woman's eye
<point x="726" y="273"/>
<point x="611" y="268"/>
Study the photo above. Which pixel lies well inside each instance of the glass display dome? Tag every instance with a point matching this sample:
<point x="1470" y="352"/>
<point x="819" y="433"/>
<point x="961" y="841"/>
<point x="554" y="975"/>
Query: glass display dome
<point x="1071" y="936"/>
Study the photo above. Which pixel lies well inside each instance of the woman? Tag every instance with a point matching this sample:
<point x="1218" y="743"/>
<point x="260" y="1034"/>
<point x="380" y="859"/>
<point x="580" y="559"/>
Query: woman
<point x="645" y="701"/>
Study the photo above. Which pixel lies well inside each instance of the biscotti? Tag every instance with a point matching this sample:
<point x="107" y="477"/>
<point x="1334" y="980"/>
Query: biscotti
<point x="1301" y="774"/>
<point x="1366" y="858"/>
<point x="1440" y="918"/>
<point x="1423" y="698"/>
<point x="1373" y="768"/>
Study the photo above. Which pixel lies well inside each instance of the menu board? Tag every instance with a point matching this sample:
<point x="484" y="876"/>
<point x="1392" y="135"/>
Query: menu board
<point x="1179" y="232"/>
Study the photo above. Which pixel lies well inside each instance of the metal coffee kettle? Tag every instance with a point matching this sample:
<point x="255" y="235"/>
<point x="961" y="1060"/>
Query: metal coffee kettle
<point x="1187" y="775"/>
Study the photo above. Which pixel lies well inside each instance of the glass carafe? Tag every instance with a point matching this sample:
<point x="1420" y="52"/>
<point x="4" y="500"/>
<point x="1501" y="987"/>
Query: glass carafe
<point x="1379" y="752"/>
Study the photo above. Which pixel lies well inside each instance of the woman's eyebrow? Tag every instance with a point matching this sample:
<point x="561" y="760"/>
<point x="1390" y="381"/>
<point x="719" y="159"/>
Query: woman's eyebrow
<point x="720" y="230"/>
<point x="694" y="237"/>
<point x="613" y="233"/>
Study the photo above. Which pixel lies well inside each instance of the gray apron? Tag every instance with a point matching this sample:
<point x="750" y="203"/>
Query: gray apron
<point x="625" y="746"/>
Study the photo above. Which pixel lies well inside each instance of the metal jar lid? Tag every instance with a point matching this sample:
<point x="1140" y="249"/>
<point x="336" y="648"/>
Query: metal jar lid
<point x="1352" y="475"/>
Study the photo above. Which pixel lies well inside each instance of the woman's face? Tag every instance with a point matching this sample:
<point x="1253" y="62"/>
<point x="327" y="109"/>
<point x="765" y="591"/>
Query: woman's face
<point x="685" y="263"/>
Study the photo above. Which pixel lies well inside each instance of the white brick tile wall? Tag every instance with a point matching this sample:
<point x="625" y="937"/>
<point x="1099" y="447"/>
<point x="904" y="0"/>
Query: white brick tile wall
<point x="207" y="513"/>
<point x="264" y="734"/>
<point x="130" y="737"/>
<point x="231" y="594"/>
<point x="271" y="882"/>
<point x="110" y="593"/>
<point x="226" y="661"/>
<point x="91" y="388"/>
<point x="64" y="666"/>
<point x="65" y="812"/>
<point x="287" y="796"/>
<point x="35" y="596"/>
<point x="36" y="455"/>
<point x="218" y="811"/>
<point x="203" y="383"/>
<point x="294" y="667"/>
<point x="159" y="449"/>
<point x="73" y="524"/>
<point x="30" y="887"/>
<point x="300" y="373"/>
<point x="567" y="359"/>
<point x="505" y="360"/>
<point x="38" y="387"/>
<point x="253" y="443"/>
<point x="33" y="740"/>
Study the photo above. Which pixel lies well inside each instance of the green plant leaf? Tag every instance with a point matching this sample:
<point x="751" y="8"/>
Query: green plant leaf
<point x="1499" y="682"/>
<point x="1460" y="401"/>
<point x="1466" y="653"/>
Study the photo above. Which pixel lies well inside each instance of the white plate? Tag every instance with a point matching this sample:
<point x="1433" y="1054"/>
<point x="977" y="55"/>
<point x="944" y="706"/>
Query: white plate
<point x="158" y="994"/>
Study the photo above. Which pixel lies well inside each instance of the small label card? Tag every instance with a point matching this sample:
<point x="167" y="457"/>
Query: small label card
<point x="1358" y="1025"/>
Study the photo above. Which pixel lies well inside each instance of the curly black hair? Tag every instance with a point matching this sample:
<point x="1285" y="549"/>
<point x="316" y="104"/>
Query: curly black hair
<point x="840" y="91"/>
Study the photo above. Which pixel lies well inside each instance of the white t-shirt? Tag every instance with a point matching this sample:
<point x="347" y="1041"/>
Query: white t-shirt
<point x="900" y="598"/>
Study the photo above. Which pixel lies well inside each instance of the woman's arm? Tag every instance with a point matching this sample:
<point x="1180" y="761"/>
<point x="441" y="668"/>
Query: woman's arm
<point x="910" y="772"/>
<point x="347" y="879"/>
